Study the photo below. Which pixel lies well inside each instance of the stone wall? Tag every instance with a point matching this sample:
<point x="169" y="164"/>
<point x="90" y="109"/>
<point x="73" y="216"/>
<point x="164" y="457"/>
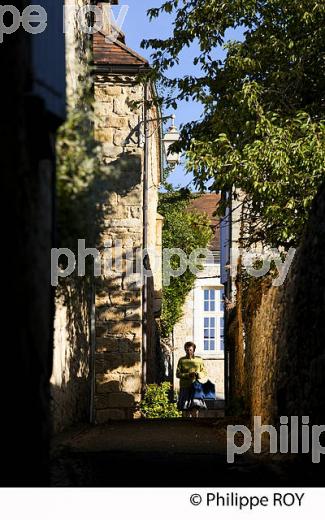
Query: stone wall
<point x="236" y="348"/>
<point x="285" y="334"/>
<point x="263" y="320"/>
<point x="70" y="381"/>
<point x="155" y="357"/>
<point x="71" y="378"/>
<point x="301" y="381"/>
<point x="155" y="224"/>
<point x="77" y="46"/>
<point x="119" y="129"/>
<point x="109" y="384"/>
<point x="119" y="301"/>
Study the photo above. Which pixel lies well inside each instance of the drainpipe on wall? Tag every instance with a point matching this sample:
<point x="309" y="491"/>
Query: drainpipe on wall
<point x="145" y="242"/>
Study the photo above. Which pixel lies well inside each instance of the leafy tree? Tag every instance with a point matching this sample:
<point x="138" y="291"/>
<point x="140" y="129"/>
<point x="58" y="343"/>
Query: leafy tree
<point x="263" y="104"/>
<point x="187" y="230"/>
<point x="78" y="162"/>
<point x="80" y="168"/>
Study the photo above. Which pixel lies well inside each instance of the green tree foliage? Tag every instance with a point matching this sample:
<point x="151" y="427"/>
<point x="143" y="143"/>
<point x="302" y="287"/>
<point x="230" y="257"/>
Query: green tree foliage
<point x="78" y="160"/>
<point x="188" y="230"/>
<point x="263" y="104"/>
<point x="156" y="404"/>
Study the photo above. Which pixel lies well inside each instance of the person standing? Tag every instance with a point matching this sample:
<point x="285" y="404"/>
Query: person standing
<point x="189" y="369"/>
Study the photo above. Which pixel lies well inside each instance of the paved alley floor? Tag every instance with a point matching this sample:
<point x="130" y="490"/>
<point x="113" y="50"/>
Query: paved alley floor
<point x="166" y="453"/>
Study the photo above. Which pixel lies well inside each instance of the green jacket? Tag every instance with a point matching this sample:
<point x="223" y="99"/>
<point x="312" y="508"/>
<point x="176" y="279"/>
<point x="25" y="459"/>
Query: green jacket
<point x="186" y="367"/>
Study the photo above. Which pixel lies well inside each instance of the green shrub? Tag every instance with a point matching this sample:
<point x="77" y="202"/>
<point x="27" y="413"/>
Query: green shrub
<point x="156" y="404"/>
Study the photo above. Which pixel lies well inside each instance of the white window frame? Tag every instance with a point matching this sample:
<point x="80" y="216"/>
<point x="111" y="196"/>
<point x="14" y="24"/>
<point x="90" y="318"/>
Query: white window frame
<point x="217" y="314"/>
<point x="200" y="314"/>
<point x="212" y="259"/>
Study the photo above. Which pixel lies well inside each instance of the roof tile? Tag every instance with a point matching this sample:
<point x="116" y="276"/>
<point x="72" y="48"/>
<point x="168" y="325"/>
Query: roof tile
<point x="207" y="203"/>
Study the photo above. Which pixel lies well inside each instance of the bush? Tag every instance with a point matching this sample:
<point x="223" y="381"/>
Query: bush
<point x="156" y="404"/>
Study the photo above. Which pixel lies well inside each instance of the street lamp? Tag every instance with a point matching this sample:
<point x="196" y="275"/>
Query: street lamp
<point x="170" y="138"/>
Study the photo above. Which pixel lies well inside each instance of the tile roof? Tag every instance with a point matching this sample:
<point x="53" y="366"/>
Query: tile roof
<point x="114" y="52"/>
<point x="207" y="203"/>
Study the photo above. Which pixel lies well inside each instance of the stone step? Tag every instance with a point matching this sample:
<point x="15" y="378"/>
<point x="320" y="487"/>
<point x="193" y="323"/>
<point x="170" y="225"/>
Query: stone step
<point x="212" y="414"/>
<point x="217" y="404"/>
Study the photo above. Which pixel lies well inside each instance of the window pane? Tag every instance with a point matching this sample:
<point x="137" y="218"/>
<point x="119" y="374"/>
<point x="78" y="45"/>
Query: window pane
<point x="206" y="323"/>
<point x="206" y="345"/>
<point x="206" y="294"/>
<point x="222" y="346"/>
<point x="212" y="306"/>
<point x="206" y="333"/>
<point x="212" y="294"/>
<point x="222" y="297"/>
<point x="221" y="325"/>
<point x="212" y="345"/>
<point x="209" y="259"/>
<point x="212" y="323"/>
<point x="206" y="306"/>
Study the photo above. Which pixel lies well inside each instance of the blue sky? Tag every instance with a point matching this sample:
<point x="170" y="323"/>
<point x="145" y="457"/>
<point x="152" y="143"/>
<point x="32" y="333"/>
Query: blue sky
<point x="137" y="27"/>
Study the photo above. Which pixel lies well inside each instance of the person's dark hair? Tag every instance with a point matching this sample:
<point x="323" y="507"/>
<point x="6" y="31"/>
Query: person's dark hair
<point x="190" y="344"/>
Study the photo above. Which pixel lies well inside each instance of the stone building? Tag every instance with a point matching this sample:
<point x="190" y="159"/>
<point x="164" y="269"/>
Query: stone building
<point x="203" y="316"/>
<point x="113" y="350"/>
<point x="130" y="138"/>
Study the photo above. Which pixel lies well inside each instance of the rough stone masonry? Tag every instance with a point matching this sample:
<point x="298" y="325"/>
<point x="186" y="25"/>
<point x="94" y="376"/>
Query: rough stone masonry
<point x="118" y="304"/>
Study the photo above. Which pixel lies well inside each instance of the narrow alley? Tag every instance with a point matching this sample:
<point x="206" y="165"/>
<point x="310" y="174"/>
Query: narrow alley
<point x="165" y="236"/>
<point x="169" y="453"/>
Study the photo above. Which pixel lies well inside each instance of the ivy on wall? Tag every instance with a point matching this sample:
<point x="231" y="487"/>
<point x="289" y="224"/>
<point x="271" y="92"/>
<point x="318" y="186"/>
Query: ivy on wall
<point x="188" y="230"/>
